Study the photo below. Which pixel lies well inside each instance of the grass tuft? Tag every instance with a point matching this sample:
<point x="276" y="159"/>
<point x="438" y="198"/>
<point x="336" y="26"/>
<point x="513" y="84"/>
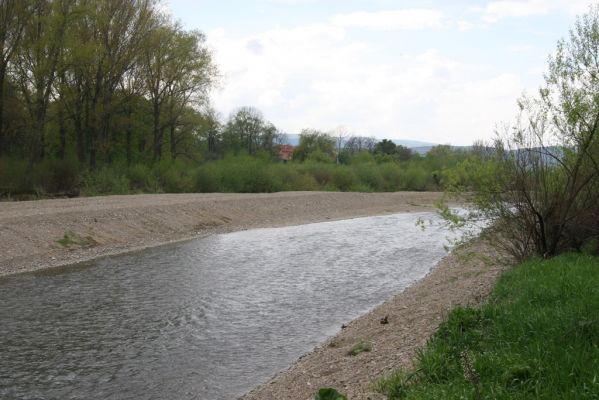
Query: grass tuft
<point x="361" y="347"/>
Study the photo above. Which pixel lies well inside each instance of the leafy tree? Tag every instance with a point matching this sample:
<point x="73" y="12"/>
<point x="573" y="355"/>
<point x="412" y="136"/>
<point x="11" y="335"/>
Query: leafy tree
<point x="385" y="146"/>
<point x="542" y="192"/>
<point x="355" y="144"/>
<point x="246" y="130"/>
<point x="314" y="142"/>
<point x="178" y="71"/>
<point x="14" y="16"/>
<point x="37" y="62"/>
<point x="403" y="153"/>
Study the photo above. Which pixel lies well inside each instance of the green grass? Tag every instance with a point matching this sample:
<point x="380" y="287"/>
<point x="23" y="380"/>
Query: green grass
<point x="360" y="348"/>
<point x="537" y="338"/>
<point x="70" y="239"/>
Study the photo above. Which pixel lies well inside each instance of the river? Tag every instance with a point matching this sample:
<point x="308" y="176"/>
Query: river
<point x="204" y="319"/>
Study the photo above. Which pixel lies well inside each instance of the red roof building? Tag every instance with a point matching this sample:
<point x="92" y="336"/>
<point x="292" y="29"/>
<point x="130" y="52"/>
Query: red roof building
<point x="286" y="152"/>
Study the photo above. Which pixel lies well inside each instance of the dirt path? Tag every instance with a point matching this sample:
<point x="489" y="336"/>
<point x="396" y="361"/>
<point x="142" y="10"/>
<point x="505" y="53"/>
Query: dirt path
<point x="412" y="317"/>
<point x="99" y="226"/>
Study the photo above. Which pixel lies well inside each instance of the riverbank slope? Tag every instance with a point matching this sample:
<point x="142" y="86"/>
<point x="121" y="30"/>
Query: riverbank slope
<point x="49" y="233"/>
<point x="394" y="331"/>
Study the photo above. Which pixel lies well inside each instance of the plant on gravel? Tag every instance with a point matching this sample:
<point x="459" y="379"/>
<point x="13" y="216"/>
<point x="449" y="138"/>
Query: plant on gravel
<point x="71" y="238"/>
<point x="329" y="394"/>
<point x="360" y="348"/>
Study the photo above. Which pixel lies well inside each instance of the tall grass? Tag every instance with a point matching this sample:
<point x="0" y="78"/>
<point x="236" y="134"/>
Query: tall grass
<point x="538" y="337"/>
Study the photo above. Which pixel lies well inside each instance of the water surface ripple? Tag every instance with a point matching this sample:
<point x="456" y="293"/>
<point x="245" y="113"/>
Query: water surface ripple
<point x="205" y="319"/>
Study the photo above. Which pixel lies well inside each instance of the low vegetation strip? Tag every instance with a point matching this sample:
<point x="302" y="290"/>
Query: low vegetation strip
<point x="537" y="337"/>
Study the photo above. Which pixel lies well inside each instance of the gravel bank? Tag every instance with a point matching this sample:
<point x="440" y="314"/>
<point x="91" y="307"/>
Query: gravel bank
<point x="100" y="226"/>
<point x="464" y="277"/>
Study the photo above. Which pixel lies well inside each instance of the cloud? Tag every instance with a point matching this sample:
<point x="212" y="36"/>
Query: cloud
<point x="405" y="19"/>
<point x="497" y="10"/>
<point x="318" y="76"/>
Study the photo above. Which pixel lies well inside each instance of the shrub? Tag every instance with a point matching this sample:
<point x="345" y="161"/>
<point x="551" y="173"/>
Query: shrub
<point x="142" y="178"/>
<point x="369" y="175"/>
<point x="106" y="180"/>
<point x="15" y="178"/>
<point x="174" y="176"/>
<point x="56" y="177"/>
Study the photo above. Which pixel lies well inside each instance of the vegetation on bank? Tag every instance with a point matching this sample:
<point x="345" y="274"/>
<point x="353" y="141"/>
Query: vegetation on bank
<point x="102" y="97"/>
<point x="364" y="172"/>
<point x="537" y="337"/>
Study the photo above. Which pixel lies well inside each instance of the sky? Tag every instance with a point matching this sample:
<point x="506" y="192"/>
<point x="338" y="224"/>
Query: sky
<point x="445" y="71"/>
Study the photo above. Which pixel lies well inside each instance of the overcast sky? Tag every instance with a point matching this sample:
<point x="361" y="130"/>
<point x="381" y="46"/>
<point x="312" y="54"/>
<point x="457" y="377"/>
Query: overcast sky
<point x="445" y="71"/>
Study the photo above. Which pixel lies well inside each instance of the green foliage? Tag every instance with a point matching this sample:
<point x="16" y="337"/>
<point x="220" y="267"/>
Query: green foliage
<point x="315" y="145"/>
<point x="538" y="337"/>
<point x="142" y="179"/>
<point x="538" y="187"/>
<point x="329" y="394"/>
<point x="71" y="239"/>
<point x="361" y="347"/>
<point x="56" y="177"/>
<point x="14" y="177"/>
<point x="106" y="180"/>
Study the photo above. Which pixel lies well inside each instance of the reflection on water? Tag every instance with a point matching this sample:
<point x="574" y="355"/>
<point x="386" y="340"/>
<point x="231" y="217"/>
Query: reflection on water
<point x="206" y="319"/>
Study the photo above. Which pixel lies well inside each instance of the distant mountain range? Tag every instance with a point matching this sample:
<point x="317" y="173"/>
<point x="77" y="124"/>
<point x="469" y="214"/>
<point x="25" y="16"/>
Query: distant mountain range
<point x="293" y="139"/>
<point x="416" y="146"/>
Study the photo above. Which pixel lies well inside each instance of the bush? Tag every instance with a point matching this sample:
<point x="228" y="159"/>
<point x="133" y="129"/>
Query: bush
<point x="343" y="179"/>
<point x="56" y="177"/>
<point x="15" y="178"/>
<point x="142" y="178"/>
<point x="106" y="180"/>
<point x="208" y="179"/>
<point x="369" y="176"/>
<point x="174" y="176"/>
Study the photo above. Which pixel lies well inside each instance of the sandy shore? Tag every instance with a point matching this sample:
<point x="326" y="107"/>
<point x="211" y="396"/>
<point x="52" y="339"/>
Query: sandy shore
<point x="100" y="226"/>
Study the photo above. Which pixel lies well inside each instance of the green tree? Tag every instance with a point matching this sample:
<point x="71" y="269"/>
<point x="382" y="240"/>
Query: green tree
<point x="37" y="62"/>
<point x="542" y="192"/>
<point x="178" y="71"/>
<point x="312" y="142"/>
<point x="247" y="130"/>
<point x="14" y="16"/>
<point x="385" y="146"/>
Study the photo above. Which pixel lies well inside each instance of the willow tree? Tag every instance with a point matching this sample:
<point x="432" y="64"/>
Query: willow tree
<point x="178" y="71"/>
<point x="14" y="16"/>
<point x="542" y="192"/>
<point x="37" y="62"/>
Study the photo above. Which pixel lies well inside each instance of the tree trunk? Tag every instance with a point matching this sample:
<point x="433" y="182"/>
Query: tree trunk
<point x="173" y="142"/>
<point x="3" y="147"/>
<point x="62" y="131"/>
<point x="93" y="133"/>
<point x="79" y="134"/>
<point x="129" y="134"/>
<point x="157" y="133"/>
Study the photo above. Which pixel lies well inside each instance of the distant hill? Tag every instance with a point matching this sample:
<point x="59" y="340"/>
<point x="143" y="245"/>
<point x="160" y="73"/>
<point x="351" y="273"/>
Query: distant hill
<point x="415" y="145"/>
<point x="422" y="150"/>
<point x="412" y="144"/>
<point x="293" y="139"/>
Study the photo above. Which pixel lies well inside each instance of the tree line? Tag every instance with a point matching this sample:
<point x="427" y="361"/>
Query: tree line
<point x="98" y="79"/>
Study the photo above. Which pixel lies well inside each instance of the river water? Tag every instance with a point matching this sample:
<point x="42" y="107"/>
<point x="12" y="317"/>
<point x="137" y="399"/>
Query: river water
<point x="204" y="319"/>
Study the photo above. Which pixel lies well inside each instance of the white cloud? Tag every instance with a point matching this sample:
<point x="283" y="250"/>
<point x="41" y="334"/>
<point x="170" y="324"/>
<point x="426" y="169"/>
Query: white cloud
<point x="520" y="48"/>
<point x="405" y="19"/>
<point x="497" y="10"/>
<point x="316" y="76"/>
